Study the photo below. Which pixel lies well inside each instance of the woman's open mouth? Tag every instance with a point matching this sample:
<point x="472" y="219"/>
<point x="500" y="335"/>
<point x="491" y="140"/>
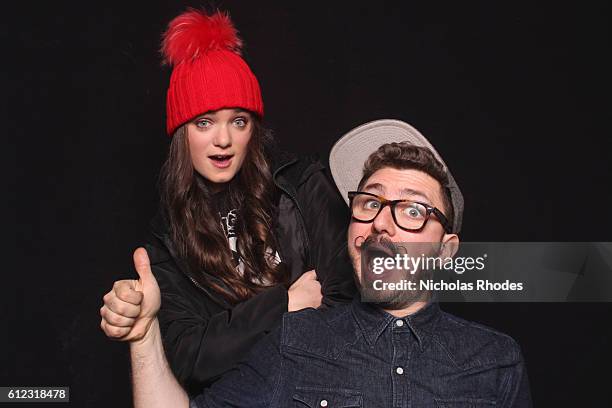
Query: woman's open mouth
<point x="221" y="161"/>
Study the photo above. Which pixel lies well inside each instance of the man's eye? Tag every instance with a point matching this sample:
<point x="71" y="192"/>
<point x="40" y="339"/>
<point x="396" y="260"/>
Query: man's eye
<point x="240" y="122"/>
<point x="203" y="123"/>
<point x="371" y="205"/>
<point x="413" y="211"/>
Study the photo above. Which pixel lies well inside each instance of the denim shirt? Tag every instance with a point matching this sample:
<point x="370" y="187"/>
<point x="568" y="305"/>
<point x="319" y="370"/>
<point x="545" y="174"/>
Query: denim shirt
<point x="357" y="355"/>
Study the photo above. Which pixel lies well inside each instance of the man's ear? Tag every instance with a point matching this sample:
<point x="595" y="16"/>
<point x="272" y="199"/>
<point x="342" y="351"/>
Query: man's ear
<point x="450" y="245"/>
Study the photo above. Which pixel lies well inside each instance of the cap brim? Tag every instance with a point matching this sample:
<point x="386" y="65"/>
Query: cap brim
<point x="350" y="152"/>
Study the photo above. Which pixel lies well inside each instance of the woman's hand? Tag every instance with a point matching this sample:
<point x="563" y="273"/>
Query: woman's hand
<point x="305" y="292"/>
<point x="131" y="306"/>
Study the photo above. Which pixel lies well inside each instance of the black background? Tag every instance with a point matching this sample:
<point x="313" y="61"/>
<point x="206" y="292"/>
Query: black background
<point x="514" y="95"/>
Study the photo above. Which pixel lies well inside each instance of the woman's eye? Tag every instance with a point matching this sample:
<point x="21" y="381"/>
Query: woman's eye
<point x="203" y="123"/>
<point x="240" y="122"/>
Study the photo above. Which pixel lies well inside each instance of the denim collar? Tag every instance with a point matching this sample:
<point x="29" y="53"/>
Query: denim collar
<point x="373" y="321"/>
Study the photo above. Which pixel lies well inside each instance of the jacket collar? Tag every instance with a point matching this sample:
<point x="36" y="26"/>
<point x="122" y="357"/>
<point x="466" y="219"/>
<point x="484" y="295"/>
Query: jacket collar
<point x="372" y="321"/>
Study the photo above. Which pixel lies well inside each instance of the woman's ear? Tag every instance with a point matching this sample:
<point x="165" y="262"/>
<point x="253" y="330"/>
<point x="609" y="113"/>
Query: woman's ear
<point x="450" y="245"/>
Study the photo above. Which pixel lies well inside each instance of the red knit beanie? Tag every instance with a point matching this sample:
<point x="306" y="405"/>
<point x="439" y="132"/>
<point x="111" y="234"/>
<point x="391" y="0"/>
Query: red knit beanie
<point x="208" y="72"/>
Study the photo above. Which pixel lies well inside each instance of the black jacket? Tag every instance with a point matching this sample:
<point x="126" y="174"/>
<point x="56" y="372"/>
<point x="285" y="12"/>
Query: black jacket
<point x="203" y="335"/>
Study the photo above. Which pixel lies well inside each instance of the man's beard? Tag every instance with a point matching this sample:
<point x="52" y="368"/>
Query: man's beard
<point x="377" y="246"/>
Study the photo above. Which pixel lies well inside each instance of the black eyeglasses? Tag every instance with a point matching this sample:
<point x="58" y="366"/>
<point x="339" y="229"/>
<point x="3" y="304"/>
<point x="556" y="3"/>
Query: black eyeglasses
<point x="407" y="214"/>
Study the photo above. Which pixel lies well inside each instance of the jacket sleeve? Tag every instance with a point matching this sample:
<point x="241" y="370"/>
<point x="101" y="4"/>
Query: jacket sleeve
<point x="202" y="339"/>
<point x="326" y="218"/>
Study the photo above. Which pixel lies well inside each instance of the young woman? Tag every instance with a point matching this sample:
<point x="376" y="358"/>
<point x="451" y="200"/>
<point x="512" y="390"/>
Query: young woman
<point x="239" y="224"/>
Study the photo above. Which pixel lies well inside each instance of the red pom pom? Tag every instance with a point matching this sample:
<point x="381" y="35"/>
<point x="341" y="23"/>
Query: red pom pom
<point x="194" y="32"/>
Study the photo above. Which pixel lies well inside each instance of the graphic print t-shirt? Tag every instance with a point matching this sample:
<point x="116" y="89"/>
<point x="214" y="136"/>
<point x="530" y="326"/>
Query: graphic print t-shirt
<point x="229" y="218"/>
<point x="229" y="221"/>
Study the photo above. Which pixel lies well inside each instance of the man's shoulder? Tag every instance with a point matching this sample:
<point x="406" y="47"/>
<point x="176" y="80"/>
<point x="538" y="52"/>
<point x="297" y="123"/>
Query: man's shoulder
<point x="471" y="344"/>
<point x="319" y="332"/>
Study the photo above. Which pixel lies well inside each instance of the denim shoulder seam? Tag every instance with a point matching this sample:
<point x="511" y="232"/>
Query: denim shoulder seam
<point x="446" y="350"/>
<point x="288" y="349"/>
<point x="478" y="326"/>
<point x="513" y="357"/>
<point x="340" y="315"/>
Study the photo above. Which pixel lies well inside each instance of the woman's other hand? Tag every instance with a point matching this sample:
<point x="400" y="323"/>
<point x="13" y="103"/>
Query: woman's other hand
<point x="305" y="292"/>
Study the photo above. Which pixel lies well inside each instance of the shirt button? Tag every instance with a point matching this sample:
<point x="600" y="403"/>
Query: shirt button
<point x="399" y="370"/>
<point x="399" y="323"/>
<point x="323" y="403"/>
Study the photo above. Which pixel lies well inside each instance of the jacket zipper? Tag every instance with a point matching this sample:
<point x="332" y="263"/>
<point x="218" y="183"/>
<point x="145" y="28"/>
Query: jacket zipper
<point x="196" y="283"/>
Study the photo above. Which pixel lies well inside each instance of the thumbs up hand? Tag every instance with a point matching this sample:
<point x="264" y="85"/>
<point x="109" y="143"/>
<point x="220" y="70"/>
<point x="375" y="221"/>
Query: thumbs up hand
<point x="131" y="306"/>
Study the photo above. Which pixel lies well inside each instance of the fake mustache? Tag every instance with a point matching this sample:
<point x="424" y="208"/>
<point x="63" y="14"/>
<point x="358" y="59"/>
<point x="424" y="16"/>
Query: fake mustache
<point x="376" y="242"/>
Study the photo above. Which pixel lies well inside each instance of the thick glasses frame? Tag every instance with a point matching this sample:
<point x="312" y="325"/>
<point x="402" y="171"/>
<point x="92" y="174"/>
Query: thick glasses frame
<point x="393" y="203"/>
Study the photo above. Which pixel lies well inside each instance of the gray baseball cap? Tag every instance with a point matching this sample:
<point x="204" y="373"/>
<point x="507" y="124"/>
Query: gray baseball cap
<point x="350" y="152"/>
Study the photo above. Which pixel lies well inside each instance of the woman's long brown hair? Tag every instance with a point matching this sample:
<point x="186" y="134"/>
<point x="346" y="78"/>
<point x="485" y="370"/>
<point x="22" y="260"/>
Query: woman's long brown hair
<point x="196" y="229"/>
